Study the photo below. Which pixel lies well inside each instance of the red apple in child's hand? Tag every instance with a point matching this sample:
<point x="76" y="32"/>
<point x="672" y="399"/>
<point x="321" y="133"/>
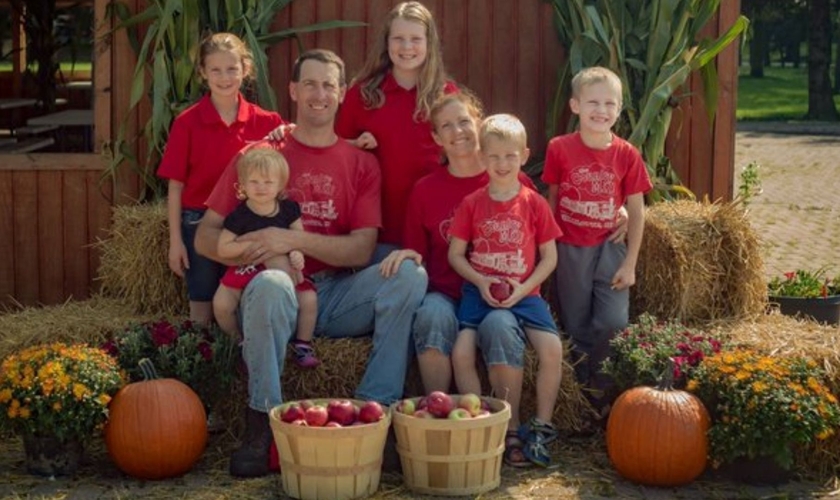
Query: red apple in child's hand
<point x="371" y="412"/>
<point x="501" y="290"/>
<point x="439" y="404"/>
<point x="341" y="411"/>
<point x="316" y="416"/>
<point x="471" y="403"/>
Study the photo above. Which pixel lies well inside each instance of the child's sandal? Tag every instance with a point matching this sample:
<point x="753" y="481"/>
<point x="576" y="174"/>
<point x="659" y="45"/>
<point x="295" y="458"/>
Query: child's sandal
<point x="537" y="436"/>
<point x="514" y="455"/>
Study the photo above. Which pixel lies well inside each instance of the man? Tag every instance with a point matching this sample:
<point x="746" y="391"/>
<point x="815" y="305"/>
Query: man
<point x="338" y="189"/>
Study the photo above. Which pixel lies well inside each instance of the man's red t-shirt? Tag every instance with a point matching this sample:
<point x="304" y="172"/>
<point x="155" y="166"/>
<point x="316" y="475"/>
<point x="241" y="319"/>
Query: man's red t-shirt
<point x="337" y="188"/>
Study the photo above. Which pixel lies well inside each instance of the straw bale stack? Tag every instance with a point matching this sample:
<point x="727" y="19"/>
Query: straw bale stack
<point x="344" y="362"/>
<point x="90" y="321"/>
<point x="783" y="336"/>
<point x="699" y="262"/>
<point x="133" y="264"/>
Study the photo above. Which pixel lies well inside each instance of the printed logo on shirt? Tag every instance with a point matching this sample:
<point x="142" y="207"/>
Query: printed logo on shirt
<point x="315" y="194"/>
<point x="499" y="245"/>
<point x="317" y="184"/>
<point x="444" y="226"/>
<point x="588" y="199"/>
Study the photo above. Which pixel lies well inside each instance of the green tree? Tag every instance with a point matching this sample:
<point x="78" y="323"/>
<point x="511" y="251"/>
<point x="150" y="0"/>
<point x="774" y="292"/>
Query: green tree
<point x="820" y="99"/>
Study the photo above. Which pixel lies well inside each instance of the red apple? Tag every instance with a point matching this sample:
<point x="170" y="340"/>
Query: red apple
<point x="341" y="411"/>
<point x="371" y="412"/>
<point x="316" y="416"/>
<point x="501" y="290"/>
<point x="470" y="402"/>
<point x="423" y="414"/>
<point x="333" y="423"/>
<point x="439" y="404"/>
<point x="421" y="403"/>
<point x="306" y="404"/>
<point x="406" y="406"/>
<point x="289" y="412"/>
<point x="485" y="405"/>
<point x="300" y="421"/>
<point x="459" y="414"/>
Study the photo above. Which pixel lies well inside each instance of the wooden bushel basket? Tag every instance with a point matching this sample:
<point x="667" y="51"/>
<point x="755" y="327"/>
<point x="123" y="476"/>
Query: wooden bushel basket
<point x="321" y="463"/>
<point x="452" y="457"/>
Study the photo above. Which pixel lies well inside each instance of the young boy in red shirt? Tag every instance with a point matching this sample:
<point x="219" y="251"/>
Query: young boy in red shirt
<point x="503" y="245"/>
<point x="591" y="174"/>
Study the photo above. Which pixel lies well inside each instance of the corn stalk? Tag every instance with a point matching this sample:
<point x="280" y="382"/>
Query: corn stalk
<point x="653" y="46"/>
<point x="165" y="71"/>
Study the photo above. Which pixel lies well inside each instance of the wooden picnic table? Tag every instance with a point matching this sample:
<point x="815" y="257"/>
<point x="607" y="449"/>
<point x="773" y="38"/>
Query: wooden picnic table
<point x="16" y="102"/>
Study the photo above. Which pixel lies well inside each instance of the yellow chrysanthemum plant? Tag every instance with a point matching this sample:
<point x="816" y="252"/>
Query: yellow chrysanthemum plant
<point x="762" y="406"/>
<point x="57" y="390"/>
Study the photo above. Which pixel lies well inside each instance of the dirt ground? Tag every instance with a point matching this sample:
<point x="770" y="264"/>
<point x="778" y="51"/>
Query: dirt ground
<point x="797" y="216"/>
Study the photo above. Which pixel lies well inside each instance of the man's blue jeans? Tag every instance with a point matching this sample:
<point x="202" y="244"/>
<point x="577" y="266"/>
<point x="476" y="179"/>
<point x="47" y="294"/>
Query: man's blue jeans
<point x="350" y="304"/>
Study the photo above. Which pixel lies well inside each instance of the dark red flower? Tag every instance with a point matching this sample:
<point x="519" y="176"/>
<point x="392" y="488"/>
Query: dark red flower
<point x="163" y="333"/>
<point x="111" y="348"/>
<point x="715" y="345"/>
<point x="683" y="347"/>
<point x="186" y="325"/>
<point x="696" y="357"/>
<point x="206" y="351"/>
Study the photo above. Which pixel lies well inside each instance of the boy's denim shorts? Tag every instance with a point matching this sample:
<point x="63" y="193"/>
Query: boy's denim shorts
<point x="530" y="312"/>
<point x="204" y="274"/>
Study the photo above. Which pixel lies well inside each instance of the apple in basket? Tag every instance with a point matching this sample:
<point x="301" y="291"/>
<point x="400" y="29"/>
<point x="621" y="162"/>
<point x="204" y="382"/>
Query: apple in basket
<point x="407" y="407"/>
<point x="316" y="416"/>
<point x="439" y="404"/>
<point x="333" y="423"/>
<point x="423" y="414"/>
<point x="289" y="412"/>
<point x="459" y="414"/>
<point x="470" y="402"/>
<point x="341" y="411"/>
<point x="371" y="412"/>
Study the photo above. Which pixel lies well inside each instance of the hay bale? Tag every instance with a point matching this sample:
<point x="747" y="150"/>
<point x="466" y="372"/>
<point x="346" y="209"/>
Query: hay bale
<point x="699" y="262"/>
<point x="90" y="321"/>
<point x="344" y="362"/>
<point x="133" y="263"/>
<point x="783" y="336"/>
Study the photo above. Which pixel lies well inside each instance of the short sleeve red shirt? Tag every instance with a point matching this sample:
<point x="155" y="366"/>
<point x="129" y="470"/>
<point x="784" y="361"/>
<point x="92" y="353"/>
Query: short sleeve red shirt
<point x="504" y="236"/>
<point x="200" y="145"/>
<point x="405" y="148"/>
<point x="592" y="185"/>
<point x="430" y="209"/>
<point x="337" y="187"/>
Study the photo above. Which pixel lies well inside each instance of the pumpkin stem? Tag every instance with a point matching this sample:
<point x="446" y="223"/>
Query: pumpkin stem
<point x="148" y="369"/>
<point x="666" y="383"/>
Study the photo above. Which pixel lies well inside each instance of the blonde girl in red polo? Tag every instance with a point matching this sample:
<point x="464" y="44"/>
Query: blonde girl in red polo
<point x="387" y="106"/>
<point x="203" y="140"/>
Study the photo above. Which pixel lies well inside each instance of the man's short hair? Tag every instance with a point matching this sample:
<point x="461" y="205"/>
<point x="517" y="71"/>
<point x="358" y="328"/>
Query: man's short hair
<point x="321" y="55"/>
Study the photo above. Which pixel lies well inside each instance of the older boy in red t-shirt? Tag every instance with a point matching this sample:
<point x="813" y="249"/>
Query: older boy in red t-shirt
<point x="591" y="174"/>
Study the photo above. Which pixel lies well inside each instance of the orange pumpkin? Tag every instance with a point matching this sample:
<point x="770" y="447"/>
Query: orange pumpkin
<point x="156" y="428"/>
<point x="657" y="436"/>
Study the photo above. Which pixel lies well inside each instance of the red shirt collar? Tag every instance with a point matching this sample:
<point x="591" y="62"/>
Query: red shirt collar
<point x="389" y="84"/>
<point x="209" y="115"/>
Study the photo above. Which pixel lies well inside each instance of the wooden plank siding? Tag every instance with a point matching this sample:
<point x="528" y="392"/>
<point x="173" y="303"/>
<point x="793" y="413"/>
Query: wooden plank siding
<point x="52" y="207"/>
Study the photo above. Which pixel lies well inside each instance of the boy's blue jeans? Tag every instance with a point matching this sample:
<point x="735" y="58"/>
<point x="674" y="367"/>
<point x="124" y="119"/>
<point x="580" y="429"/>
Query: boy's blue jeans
<point x="349" y="305"/>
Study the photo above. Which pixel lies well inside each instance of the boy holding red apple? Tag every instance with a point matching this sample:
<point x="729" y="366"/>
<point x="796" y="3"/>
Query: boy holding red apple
<point x="503" y="245"/>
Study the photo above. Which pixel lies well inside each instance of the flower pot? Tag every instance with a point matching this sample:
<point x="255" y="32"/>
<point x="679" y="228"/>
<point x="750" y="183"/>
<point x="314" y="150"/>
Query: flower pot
<point x="761" y="470"/>
<point x="49" y="456"/>
<point x="824" y="310"/>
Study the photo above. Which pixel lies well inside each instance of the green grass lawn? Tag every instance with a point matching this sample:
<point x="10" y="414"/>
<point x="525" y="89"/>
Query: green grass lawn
<point x="782" y="94"/>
